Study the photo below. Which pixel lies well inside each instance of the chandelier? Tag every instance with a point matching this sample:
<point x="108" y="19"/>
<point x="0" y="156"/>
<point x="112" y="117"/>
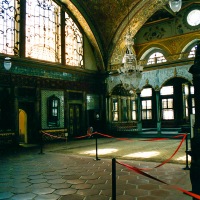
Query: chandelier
<point x="175" y="5"/>
<point x="129" y="63"/>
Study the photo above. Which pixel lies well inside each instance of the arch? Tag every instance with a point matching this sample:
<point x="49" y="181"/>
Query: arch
<point x="23" y="126"/>
<point x="120" y="91"/>
<point x="151" y="49"/>
<point x="88" y="28"/>
<point x="171" y="78"/>
<point x="186" y="50"/>
<point x="118" y="44"/>
<point x="190" y="44"/>
<point x="147" y="86"/>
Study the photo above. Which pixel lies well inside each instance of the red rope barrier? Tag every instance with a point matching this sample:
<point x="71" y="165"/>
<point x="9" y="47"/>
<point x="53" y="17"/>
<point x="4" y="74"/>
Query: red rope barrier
<point x="153" y="139"/>
<point x="184" y="136"/>
<point x="157" y="139"/>
<point x="53" y="136"/>
<point x="139" y="171"/>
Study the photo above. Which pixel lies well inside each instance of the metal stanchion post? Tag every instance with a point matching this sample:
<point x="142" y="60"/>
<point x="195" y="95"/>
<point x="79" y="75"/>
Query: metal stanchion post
<point x="186" y="151"/>
<point x="96" y="148"/>
<point x="41" y="144"/>
<point x="113" y="179"/>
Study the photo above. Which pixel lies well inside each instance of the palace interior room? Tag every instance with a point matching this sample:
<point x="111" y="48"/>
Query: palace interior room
<point x="119" y="66"/>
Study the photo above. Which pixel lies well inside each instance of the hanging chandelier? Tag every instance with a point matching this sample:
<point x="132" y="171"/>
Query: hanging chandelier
<point x="129" y="62"/>
<point x="175" y="5"/>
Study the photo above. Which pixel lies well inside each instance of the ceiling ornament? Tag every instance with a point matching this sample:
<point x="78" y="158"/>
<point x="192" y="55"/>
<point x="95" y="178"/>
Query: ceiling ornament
<point x="175" y="5"/>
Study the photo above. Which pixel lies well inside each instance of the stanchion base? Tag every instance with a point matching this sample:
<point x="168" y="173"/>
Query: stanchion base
<point x="97" y="159"/>
<point x="186" y="168"/>
<point x="41" y="153"/>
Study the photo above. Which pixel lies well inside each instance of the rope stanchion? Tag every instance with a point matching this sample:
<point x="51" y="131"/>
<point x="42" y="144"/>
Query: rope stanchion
<point x="157" y="139"/>
<point x="114" y="179"/>
<point x="186" y="152"/>
<point x="96" y="146"/>
<point x="129" y="140"/>
<point x="42" y="133"/>
<point x="139" y="171"/>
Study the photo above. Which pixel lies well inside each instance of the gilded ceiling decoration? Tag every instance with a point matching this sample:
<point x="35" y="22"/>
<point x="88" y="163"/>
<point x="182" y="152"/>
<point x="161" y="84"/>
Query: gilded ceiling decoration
<point x="105" y="23"/>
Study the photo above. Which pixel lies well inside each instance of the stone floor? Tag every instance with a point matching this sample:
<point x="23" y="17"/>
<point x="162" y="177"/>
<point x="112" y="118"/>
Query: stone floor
<point x="60" y="174"/>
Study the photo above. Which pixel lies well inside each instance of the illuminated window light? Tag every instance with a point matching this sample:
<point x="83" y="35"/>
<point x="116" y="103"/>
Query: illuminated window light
<point x="148" y="154"/>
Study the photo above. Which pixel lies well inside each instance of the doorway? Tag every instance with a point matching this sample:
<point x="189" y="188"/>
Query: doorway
<point x="22" y="126"/>
<point x="75" y="111"/>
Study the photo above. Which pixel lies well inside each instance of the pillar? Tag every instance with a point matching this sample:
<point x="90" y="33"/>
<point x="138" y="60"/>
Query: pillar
<point x="139" y="110"/>
<point x="195" y="141"/>
<point x="15" y="113"/>
<point x="158" y="107"/>
<point x="38" y="113"/>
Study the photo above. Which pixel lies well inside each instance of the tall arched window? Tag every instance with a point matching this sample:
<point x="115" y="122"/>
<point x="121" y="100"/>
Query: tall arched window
<point x="73" y="43"/>
<point x="9" y="22"/>
<point x="43" y="30"/>
<point x="43" y="26"/>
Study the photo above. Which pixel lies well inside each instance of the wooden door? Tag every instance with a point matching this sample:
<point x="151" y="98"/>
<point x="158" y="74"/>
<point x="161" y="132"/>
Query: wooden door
<point x="75" y="119"/>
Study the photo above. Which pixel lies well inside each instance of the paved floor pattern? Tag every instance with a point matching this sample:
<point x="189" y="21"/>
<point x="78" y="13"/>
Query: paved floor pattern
<point x="52" y="175"/>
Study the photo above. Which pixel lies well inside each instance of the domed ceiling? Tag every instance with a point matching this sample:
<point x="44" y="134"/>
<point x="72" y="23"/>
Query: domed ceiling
<point x="105" y="22"/>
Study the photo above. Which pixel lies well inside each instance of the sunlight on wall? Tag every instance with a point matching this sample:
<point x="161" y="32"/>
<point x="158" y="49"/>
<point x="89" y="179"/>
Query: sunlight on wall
<point x="148" y="154"/>
<point x="100" y="151"/>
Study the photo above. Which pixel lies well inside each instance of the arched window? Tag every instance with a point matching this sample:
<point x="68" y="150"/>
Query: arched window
<point x="123" y="105"/>
<point x="9" y="21"/>
<point x="192" y="52"/>
<point x="53" y="111"/>
<point x="146" y="100"/>
<point x="42" y="31"/>
<point x="73" y="43"/>
<point x="155" y="58"/>
<point x="167" y="95"/>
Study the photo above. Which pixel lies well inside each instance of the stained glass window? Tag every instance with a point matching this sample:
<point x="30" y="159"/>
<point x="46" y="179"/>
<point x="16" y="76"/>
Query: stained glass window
<point x="73" y="43"/>
<point x="9" y="22"/>
<point x="43" y="30"/>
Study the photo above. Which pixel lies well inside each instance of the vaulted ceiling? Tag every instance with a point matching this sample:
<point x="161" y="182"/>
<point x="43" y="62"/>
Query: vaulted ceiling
<point x="105" y="22"/>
